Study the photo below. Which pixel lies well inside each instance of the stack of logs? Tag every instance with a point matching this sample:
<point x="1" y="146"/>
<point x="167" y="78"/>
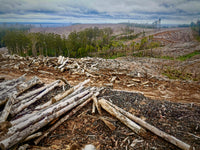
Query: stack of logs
<point x="19" y="123"/>
<point x="88" y="66"/>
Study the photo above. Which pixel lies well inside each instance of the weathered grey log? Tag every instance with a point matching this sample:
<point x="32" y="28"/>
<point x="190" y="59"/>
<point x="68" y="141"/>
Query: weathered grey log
<point x="10" y="88"/>
<point x="97" y="104"/>
<point x="46" y="133"/>
<point x="44" y="113"/>
<point x="24" y="104"/>
<point x="3" y="101"/>
<point x="33" y="136"/>
<point x="6" y="83"/>
<point x="36" y="91"/>
<point x="19" y="136"/>
<point x="108" y="123"/>
<point x="111" y="109"/>
<point x="63" y="64"/>
<point x="153" y="129"/>
<point x="24" y="147"/>
<point x="24" y="118"/>
<point x="66" y="93"/>
<point x="24" y="87"/>
<point x="6" y="110"/>
<point x="60" y="59"/>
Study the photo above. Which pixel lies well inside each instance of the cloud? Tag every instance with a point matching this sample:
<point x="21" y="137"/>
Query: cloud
<point x="99" y="10"/>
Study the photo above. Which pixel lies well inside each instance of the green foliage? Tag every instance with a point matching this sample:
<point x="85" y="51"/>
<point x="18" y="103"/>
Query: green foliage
<point x="188" y="56"/>
<point x="167" y="57"/>
<point x="173" y="73"/>
<point x="78" y="44"/>
<point x="4" y="28"/>
<point x="117" y="55"/>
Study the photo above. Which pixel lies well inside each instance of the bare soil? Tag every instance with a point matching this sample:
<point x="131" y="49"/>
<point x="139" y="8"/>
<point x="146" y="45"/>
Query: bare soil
<point x="140" y="88"/>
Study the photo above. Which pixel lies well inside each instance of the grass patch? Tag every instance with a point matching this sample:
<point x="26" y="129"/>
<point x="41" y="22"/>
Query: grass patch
<point x="167" y="57"/>
<point x="188" y="56"/>
<point x="116" y="56"/>
<point x="173" y="73"/>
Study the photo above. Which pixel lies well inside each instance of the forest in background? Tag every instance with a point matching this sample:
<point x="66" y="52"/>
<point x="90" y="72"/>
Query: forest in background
<point x="89" y="42"/>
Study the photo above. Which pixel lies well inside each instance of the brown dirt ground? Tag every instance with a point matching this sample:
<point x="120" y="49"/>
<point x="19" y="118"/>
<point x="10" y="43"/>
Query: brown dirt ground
<point x="171" y="105"/>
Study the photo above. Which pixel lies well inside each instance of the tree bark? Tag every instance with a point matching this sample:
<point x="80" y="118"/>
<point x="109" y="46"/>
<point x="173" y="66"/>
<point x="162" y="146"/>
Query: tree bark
<point x="6" y="110"/>
<point x="112" y="110"/>
<point x="46" y="133"/>
<point x="33" y="136"/>
<point x="46" y="112"/>
<point x="63" y="64"/>
<point x="35" y="80"/>
<point x="153" y="129"/>
<point x="14" y="81"/>
<point x="97" y="104"/>
<point x="24" y="104"/>
<point x="31" y="128"/>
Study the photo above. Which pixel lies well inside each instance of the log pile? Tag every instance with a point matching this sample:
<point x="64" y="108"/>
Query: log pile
<point x="87" y="66"/>
<point x="23" y="119"/>
<point x="24" y="122"/>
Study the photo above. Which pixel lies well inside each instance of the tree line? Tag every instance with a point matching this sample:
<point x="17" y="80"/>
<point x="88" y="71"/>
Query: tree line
<point x="78" y="44"/>
<point x="88" y="42"/>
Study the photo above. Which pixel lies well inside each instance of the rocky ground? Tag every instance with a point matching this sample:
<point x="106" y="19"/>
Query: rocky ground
<point x="135" y="84"/>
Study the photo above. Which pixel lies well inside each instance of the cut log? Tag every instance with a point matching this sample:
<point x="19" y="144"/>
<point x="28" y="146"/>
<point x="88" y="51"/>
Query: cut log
<point x="33" y="136"/>
<point x="46" y="133"/>
<point x="111" y="109"/>
<point x="97" y="104"/>
<point x="29" y="94"/>
<point x="62" y="95"/>
<point x="6" y="110"/>
<point x="46" y="112"/>
<point x="2" y="102"/>
<point x="24" y="118"/>
<point x="63" y="64"/>
<point x="24" y="147"/>
<point x="108" y="123"/>
<point x="11" y="82"/>
<point x="10" y="88"/>
<point x="153" y="129"/>
<point x="24" y="87"/>
<point x="93" y="108"/>
<point x="24" y="104"/>
<point x="31" y="128"/>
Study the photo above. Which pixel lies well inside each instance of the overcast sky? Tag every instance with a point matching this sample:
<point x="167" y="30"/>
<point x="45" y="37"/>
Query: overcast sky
<point x="99" y="11"/>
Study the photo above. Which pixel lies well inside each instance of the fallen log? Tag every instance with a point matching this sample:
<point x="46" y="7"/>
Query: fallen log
<point x="3" y="101"/>
<point x="153" y="129"/>
<point x="34" y="92"/>
<point x="97" y="104"/>
<point x="24" y="87"/>
<point x="63" y="64"/>
<point x="112" y="110"/>
<point x="24" y="147"/>
<point x="33" y="136"/>
<point x="6" y="110"/>
<point x="9" y="88"/>
<point x="24" y="118"/>
<point x="31" y="128"/>
<point x="108" y="123"/>
<point x="24" y="104"/>
<point x="66" y="93"/>
<point x="46" y="112"/>
<point x="46" y="133"/>
<point x="6" y="83"/>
